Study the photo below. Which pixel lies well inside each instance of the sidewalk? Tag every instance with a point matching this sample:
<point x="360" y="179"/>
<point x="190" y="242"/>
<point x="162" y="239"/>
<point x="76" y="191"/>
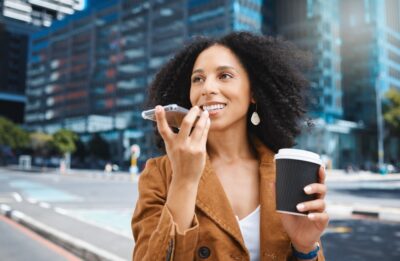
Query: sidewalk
<point x="341" y="175"/>
<point x="345" y="211"/>
<point x="340" y="210"/>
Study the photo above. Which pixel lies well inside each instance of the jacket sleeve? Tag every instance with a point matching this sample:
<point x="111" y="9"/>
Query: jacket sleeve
<point x="154" y="230"/>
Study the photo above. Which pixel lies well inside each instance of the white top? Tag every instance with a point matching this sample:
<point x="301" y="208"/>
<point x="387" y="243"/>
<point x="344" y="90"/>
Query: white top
<point x="250" y="228"/>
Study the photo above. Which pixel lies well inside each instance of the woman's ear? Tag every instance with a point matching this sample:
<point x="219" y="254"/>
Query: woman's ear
<point x="252" y="100"/>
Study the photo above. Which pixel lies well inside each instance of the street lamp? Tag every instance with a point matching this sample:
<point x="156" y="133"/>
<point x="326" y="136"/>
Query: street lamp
<point x="379" y="122"/>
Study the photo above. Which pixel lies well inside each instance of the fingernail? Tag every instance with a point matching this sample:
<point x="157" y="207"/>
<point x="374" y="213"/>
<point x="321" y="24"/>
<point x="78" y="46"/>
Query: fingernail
<point x="311" y="216"/>
<point x="205" y="113"/>
<point x="308" y="189"/>
<point x="158" y="108"/>
<point x="300" y="206"/>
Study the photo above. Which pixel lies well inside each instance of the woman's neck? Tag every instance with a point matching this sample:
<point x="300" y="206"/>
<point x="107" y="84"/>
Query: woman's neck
<point x="230" y="145"/>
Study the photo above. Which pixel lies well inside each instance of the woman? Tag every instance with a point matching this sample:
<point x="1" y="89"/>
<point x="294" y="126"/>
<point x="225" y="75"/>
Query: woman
<point x="211" y="197"/>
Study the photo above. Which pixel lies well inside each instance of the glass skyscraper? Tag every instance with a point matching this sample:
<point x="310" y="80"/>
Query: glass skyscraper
<point x="18" y="19"/>
<point x="90" y="72"/>
<point x="314" y="26"/>
<point x="371" y="66"/>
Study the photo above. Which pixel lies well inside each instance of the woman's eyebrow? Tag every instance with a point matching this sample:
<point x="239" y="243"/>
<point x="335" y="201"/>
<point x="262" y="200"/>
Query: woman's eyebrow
<point x="222" y="68"/>
<point x="219" y="68"/>
<point x="198" y="71"/>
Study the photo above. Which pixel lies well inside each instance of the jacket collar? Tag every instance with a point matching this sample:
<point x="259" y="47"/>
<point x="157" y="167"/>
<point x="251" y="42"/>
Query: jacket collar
<point x="212" y="200"/>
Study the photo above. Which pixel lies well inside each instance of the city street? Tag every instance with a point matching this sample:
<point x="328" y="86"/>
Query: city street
<point x="359" y="240"/>
<point x="19" y="243"/>
<point x="94" y="211"/>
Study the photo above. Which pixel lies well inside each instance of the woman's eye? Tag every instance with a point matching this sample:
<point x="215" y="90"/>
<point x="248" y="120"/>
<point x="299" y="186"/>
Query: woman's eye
<point x="196" y="79"/>
<point x="225" y="76"/>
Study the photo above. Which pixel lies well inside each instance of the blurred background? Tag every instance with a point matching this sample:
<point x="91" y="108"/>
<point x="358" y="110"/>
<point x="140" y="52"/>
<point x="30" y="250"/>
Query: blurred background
<point x="74" y="76"/>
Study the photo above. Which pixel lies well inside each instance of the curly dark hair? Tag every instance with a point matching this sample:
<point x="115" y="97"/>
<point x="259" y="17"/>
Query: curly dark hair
<point x="277" y="83"/>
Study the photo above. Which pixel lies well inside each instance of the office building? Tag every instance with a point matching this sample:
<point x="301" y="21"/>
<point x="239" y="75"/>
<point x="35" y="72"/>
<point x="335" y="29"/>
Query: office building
<point x="314" y="27"/>
<point x="39" y="12"/>
<point x="371" y="66"/>
<point x="90" y="72"/>
<point x="18" y="19"/>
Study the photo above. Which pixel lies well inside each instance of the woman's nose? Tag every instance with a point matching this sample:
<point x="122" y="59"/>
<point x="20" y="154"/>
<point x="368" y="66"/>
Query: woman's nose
<point x="209" y="87"/>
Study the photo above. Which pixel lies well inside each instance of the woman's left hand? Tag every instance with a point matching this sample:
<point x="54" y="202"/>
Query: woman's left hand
<point x="304" y="232"/>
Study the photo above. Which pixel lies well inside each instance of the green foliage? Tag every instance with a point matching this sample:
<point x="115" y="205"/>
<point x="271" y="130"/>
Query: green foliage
<point x="12" y="135"/>
<point x="392" y="110"/>
<point x="64" y="141"/>
<point x="41" y="143"/>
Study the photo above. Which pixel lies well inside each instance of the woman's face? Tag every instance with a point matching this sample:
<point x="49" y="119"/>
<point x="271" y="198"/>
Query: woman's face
<point x="220" y="84"/>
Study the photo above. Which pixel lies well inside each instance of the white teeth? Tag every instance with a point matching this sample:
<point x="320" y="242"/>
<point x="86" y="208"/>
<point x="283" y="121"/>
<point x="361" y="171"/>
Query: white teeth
<point x="213" y="107"/>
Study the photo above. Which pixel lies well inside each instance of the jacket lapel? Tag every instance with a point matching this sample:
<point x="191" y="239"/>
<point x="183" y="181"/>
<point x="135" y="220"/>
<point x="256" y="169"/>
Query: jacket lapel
<point x="212" y="200"/>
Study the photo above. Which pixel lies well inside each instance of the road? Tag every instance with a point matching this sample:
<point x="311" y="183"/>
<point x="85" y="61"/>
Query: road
<point x="97" y="210"/>
<point x="362" y="239"/>
<point x="20" y="244"/>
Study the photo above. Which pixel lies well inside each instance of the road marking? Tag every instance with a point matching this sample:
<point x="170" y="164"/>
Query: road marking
<point x="42" y="192"/>
<point x="17" y="197"/>
<point x="44" y="205"/>
<point x="40" y="240"/>
<point x="340" y="230"/>
<point x="4" y="209"/>
<point x="31" y="200"/>
<point x="104" y="219"/>
<point x="60" y="211"/>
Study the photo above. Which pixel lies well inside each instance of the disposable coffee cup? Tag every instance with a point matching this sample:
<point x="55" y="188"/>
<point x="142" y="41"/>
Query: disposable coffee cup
<point x="295" y="169"/>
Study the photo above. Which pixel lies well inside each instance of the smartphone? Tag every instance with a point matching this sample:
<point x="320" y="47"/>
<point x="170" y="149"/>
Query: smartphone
<point x="173" y="112"/>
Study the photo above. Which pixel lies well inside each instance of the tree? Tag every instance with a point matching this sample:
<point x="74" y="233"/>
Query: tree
<point x="64" y="141"/>
<point x="392" y="110"/>
<point x="12" y="135"/>
<point x="41" y="143"/>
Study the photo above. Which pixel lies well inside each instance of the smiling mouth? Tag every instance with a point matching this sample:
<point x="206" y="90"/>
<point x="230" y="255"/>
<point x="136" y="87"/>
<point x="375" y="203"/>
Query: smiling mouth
<point x="213" y="107"/>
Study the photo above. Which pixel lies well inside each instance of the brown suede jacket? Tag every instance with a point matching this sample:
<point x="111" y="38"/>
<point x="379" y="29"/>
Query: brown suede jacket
<point x="215" y="232"/>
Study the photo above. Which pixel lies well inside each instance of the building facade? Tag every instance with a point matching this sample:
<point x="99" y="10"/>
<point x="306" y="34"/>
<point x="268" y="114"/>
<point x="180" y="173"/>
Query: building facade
<point x="90" y="72"/>
<point x="314" y="27"/>
<point x="371" y="66"/>
<point x="18" y="19"/>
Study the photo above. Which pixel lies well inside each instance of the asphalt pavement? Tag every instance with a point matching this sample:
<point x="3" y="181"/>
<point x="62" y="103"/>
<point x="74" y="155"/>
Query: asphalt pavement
<point x="362" y="239"/>
<point x="88" y="213"/>
<point x="30" y="245"/>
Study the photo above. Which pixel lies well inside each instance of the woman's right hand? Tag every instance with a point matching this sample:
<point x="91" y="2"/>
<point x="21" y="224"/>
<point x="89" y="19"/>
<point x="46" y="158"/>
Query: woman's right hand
<point x="186" y="149"/>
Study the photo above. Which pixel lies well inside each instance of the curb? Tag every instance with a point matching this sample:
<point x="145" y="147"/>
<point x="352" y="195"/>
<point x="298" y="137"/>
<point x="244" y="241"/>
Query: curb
<point x="381" y="213"/>
<point x="78" y="247"/>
